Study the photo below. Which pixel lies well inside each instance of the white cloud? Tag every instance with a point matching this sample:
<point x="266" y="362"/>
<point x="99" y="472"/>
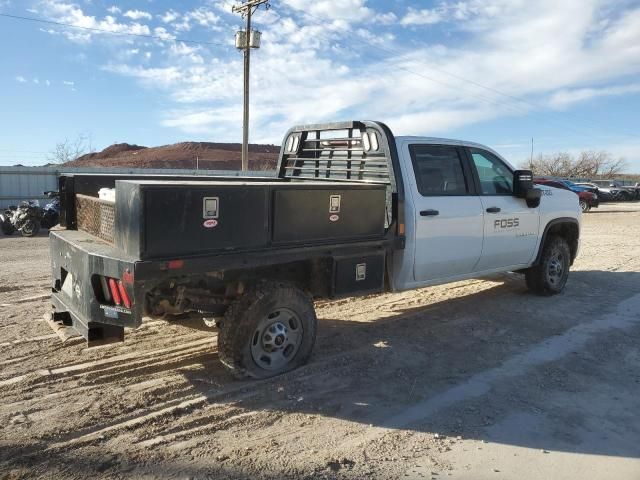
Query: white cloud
<point x="170" y="16"/>
<point x="345" y="11"/>
<point x="185" y="52"/>
<point x="73" y="15"/>
<point x="155" y="77"/>
<point x="68" y="83"/>
<point x="566" y="97"/>
<point x="113" y="10"/>
<point x="421" y="17"/>
<point x="163" y="33"/>
<point x="137" y="15"/>
<point x="21" y="79"/>
<point x="548" y="52"/>
<point x="203" y="17"/>
<point x="388" y="18"/>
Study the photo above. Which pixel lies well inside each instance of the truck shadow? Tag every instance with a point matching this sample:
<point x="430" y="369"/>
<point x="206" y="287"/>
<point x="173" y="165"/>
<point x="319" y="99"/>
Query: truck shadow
<point x="500" y="365"/>
<point x="556" y="373"/>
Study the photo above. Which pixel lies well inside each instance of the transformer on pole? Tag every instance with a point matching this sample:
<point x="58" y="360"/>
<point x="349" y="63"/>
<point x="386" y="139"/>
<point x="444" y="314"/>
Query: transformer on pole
<point x="246" y="40"/>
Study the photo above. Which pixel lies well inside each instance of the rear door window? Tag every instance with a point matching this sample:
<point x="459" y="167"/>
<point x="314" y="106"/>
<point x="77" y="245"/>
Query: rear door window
<point x="438" y="170"/>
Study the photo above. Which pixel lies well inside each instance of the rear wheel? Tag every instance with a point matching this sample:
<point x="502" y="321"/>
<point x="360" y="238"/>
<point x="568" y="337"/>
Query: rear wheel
<point x="550" y="276"/>
<point x="270" y="330"/>
<point x="584" y="206"/>
<point x="7" y="227"/>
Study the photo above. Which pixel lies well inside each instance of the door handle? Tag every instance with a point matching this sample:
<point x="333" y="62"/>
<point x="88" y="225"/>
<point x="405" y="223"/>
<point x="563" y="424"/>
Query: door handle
<point x="493" y="210"/>
<point x="429" y="213"/>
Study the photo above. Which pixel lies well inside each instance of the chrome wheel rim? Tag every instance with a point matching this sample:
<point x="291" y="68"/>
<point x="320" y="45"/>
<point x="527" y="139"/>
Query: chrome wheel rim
<point x="277" y="339"/>
<point x="556" y="269"/>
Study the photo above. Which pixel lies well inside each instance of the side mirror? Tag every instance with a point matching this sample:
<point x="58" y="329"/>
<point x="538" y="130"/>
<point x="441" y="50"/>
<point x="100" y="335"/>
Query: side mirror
<point x="533" y="197"/>
<point x="522" y="182"/>
<point x="523" y="187"/>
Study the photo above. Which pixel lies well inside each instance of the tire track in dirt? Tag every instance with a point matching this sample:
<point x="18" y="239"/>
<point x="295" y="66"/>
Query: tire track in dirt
<point x="94" y="367"/>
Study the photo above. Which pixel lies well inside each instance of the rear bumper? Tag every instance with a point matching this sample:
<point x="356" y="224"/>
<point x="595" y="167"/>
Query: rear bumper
<point x="77" y="259"/>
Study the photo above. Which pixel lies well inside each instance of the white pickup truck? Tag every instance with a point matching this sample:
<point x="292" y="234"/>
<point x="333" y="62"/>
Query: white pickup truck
<point x="352" y="210"/>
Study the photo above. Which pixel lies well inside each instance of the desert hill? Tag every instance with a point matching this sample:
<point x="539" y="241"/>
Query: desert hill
<point x="209" y="156"/>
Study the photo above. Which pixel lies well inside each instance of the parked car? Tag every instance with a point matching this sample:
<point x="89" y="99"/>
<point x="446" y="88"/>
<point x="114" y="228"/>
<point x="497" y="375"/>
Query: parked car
<point x="630" y="192"/>
<point x="604" y="194"/>
<point x="617" y="192"/>
<point x="586" y="199"/>
<point x="353" y="210"/>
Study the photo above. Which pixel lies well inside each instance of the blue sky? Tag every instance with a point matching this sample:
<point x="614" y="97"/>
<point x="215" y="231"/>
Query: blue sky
<point x="497" y="71"/>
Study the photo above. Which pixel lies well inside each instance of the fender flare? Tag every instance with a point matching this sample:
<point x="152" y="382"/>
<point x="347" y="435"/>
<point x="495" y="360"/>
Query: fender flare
<point x="551" y="224"/>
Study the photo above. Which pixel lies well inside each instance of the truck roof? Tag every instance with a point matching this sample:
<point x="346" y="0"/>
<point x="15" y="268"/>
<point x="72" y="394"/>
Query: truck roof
<point x="449" y="141"/>
<point x="441" y="141"/>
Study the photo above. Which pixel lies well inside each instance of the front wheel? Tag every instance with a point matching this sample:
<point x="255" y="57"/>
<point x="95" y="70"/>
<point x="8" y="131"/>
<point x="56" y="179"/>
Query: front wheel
<point x="269" y="330"/>
<point x="624" y="196"/>
<point x="30" y="228"/>
<point x="550" y="276"/>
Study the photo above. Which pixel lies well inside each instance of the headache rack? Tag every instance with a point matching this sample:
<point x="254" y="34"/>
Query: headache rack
<point x="355" y="151"/>
<point x="347" y="151"/>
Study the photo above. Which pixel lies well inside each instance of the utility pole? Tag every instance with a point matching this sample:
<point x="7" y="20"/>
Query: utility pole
<point x="531" y="161"/>
<point x="246" y="40"/>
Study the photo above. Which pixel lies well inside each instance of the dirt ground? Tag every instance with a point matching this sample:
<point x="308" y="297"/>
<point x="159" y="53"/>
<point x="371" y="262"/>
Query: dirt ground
<point x="472" y="380"/>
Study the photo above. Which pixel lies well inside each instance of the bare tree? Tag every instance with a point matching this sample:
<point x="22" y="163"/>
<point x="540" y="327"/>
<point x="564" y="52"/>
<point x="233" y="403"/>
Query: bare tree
<point x="614" y="167"/>
<point x="70" y="150"/>
<point x="588" y="164"/>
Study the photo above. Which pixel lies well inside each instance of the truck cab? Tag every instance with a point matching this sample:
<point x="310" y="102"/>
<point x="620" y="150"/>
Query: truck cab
<point x="351" y="210"/>
<point x="466" y="218"/>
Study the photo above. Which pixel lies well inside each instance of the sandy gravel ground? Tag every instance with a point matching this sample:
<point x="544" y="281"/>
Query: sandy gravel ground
<point x="473" y="380"/>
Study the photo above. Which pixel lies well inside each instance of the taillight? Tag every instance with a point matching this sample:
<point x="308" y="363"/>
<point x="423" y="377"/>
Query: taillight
<point x="123" y="293"/>
<point x="115" y="292"/>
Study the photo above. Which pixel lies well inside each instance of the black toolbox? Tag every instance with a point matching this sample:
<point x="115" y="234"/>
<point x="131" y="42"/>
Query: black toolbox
<point x="162" y="219"/>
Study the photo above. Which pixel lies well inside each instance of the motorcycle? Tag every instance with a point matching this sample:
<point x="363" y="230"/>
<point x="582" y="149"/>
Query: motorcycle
<point x="51" y="213"/>
<point x="25" y="218"/>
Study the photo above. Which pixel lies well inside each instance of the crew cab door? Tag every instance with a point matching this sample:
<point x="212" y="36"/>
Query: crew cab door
<point x="448" y="213"/>
<point x="510" y="226"/>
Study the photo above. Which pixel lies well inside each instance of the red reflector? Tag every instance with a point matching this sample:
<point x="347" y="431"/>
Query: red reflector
<point x="127" y="277"/>
<point x="125" y="297"/>
<point x="175" y="264"/>
<point x="115" y="293"/>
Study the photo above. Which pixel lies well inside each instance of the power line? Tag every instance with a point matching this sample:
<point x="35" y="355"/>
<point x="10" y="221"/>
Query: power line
<point x="101" y="30"/>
